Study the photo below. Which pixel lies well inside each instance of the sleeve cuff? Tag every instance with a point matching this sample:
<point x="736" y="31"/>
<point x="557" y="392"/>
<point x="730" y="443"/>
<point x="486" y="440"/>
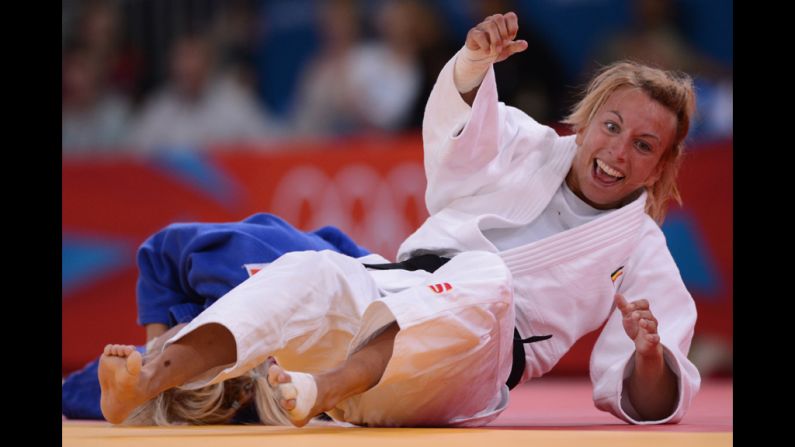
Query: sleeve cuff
<point x="452" y="111"/>
<point x="625" y="406"/>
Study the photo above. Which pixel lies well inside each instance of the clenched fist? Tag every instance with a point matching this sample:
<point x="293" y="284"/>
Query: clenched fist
<point x="490" y="41"/>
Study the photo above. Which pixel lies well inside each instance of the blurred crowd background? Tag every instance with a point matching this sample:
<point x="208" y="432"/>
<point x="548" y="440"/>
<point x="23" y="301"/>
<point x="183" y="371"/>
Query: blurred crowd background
<point x="164" y="75"/>
<point x="212" y="110"/>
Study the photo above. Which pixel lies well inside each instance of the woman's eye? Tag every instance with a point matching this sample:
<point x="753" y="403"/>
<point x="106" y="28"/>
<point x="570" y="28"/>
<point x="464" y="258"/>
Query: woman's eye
<point x="611" y="127"/>
<point x="645" y="147"/>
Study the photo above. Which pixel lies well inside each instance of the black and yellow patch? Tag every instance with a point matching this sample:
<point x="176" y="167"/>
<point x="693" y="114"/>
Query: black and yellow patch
<point x="615" y="275"/>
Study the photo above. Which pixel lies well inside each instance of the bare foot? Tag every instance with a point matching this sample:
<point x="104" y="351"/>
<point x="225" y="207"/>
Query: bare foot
<point x="297" y="394"/>
<point x="119" y="377"/>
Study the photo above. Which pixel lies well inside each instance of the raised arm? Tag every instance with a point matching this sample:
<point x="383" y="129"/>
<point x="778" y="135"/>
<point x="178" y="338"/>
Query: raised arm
<point x="489" y="42"/>
<point x="471" y="140"/>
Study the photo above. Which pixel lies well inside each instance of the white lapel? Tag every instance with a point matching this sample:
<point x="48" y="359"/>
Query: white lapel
<point x="616" y="227"/>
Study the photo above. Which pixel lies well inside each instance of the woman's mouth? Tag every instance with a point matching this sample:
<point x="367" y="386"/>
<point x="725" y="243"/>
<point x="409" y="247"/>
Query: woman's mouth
<point x="606" y="174"/>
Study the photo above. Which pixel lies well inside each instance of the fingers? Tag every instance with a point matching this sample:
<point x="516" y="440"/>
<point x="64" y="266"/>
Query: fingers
<point x="644" y="319"/>
<point x="497" y="28"/>
<point x="649" y="325"/>
<point x="653" y="339"/>
<point x="626" y="307"/>
<point x="647" y="341"/>
<point x="650" y="341"/>
<point x="638" y="315"/>
<point x="516" y="47"/>
<point x="641" y="304"/>
<point x="502" y="29"/>
<point x="640" y="324"/>
<point x="512" y="24"/>
<point x="621" y="304"/>
<point x="495" y="34"/>
<point x="492" y="31"/>
<point x="648" y="344"/>
<point x="477" y="40"/>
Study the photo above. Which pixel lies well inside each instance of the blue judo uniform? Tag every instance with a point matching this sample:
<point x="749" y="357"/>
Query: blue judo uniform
<point x="186" y="267"/>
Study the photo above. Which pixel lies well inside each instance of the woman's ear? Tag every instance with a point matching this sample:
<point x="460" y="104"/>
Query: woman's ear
<point x="580" y="136"/>
<point x="655" y="175"/>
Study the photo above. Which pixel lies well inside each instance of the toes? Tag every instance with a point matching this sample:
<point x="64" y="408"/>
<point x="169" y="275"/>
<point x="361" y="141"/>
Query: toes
<point x="287" y="404"/>
<point x="295" y="394"/>
<point x="134" y="362"/>
<point x="273" y="375"/>
<point x="288" y="391"/>
<point x="119" y="350"/>
<point x="277" y="376"/>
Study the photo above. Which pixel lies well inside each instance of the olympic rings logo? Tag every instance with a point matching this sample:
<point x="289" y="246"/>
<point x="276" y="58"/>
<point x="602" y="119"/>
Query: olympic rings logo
<point x="377" y="211"/>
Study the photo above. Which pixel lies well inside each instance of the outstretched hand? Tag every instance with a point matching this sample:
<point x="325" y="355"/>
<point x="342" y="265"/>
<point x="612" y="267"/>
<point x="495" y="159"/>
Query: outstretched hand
<point x="492" y="39"/>
<point x="640" y="325"/>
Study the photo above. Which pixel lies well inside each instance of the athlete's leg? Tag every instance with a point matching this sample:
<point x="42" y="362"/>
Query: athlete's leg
<point x="310" y="395"/>
<point x="255" y="320"/>
<point x="452" y="356"/>
<point x="126" y="383"/>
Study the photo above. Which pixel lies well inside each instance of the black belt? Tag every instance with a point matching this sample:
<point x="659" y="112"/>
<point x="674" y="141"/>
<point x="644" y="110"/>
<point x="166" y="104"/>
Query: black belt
<point x="430" y="263"/>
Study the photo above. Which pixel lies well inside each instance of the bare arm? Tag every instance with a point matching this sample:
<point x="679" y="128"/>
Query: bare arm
<point x="652" y="385"/>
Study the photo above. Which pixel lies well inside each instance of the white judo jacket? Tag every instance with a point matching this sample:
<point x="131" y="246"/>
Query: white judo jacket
<point x="492" y="166"/>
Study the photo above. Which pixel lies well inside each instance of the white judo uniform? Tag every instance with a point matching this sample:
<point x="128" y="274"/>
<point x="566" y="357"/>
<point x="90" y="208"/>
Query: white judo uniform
<point x="489" y="167"/>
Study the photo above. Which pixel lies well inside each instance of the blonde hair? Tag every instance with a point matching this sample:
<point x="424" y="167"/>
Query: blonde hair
<point x="212" y="404"/>
<point x="673" y="90"/>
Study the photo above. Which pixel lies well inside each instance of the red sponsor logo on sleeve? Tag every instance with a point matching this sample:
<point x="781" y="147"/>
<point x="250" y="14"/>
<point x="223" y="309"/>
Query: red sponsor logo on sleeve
<point x="439" y="288"/>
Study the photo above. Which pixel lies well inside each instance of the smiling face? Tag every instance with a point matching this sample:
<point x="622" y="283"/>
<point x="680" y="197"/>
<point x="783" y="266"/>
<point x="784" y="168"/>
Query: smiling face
<point x="619" y="151"/>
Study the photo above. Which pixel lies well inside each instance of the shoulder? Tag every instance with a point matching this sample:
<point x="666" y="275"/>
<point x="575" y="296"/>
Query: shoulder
<point x="518" y="124"/>
<point x="651" y="245"/>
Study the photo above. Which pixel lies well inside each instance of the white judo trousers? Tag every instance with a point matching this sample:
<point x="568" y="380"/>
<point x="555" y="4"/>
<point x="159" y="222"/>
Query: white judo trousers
<point x="451" y="357"/>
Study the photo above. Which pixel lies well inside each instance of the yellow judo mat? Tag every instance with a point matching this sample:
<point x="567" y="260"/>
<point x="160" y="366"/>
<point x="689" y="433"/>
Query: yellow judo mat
<point x="102" y="434"/>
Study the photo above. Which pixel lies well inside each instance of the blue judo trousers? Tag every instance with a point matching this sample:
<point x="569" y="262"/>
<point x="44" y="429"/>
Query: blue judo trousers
<point x="186" y="267"/>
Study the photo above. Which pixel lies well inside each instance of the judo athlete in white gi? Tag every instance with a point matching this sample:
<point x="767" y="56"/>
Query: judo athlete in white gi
<point x="546" y="235"/>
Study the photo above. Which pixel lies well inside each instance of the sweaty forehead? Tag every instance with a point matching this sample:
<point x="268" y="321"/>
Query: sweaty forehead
<point x="637" y="108"/>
